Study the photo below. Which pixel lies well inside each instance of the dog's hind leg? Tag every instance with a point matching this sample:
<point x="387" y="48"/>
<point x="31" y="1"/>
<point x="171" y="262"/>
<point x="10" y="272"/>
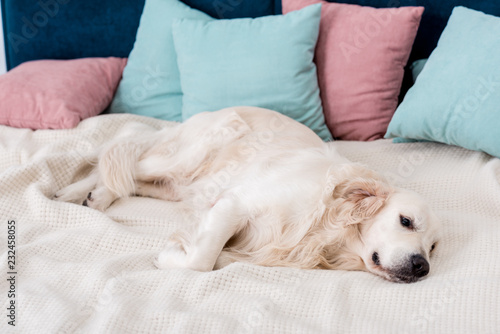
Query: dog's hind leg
<point x="200" y="250"/>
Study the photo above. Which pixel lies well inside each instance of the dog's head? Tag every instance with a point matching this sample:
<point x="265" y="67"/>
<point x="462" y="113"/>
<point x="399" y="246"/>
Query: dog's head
<point x="397" y="242"/>
<point x="394" y="230"/>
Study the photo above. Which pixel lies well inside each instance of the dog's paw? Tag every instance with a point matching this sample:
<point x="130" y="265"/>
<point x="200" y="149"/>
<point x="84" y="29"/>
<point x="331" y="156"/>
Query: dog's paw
<point x="99" y="199"/>
<point x="76" y="192"/>
<point x="70" y="194"/>
<point x="173" y="256"/>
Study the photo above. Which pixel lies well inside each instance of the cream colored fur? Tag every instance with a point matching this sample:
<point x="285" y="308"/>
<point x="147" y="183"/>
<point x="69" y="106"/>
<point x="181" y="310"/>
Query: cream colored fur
<point x="270" y="192"/>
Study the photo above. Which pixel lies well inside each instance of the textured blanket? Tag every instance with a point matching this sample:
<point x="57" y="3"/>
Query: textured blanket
<point x="78" y="270"/>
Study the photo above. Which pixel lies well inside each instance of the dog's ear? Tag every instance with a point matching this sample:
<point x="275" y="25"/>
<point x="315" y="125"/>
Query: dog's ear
<point x="355" y="193"/>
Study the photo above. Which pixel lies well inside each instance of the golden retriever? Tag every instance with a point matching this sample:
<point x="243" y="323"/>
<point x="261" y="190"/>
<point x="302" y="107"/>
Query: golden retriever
<point x="271" y="193"/>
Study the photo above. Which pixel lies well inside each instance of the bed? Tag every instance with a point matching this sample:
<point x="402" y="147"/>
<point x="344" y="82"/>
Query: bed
<point x="78" y="270"/>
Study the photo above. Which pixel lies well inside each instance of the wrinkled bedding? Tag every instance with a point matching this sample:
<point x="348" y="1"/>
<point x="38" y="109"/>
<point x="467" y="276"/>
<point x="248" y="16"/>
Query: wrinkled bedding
<point x="83" y="271"/>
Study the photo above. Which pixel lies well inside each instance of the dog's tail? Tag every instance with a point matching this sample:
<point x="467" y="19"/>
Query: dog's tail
<point x="118" y="165"/>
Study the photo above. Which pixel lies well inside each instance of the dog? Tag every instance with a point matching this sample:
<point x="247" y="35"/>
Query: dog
<point x="270" y="192"/>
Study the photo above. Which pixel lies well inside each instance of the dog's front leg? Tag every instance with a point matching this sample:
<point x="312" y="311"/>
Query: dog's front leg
<point x="200" y="250"/>
<point x="78" y="191"/>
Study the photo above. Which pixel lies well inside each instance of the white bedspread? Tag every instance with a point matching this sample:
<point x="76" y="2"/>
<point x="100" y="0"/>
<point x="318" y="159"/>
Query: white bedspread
<point x="82" y="271"/>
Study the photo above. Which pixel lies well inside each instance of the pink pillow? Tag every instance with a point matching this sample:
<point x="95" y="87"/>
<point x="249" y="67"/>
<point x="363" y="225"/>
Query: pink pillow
<point x="58" y="94"/>
<point x="360" y="56"/>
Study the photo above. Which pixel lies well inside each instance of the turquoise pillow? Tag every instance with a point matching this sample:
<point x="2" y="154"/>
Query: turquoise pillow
<point x="456" y="97"/>
<point x="416" y="68"/>
<point x="150" y="85"/>
<point x="264" y="62"/>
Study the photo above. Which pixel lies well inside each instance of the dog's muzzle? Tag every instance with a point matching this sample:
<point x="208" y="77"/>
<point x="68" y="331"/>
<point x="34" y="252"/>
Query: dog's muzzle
<point x="414" y="269"/>
<point x="419" y="266"/>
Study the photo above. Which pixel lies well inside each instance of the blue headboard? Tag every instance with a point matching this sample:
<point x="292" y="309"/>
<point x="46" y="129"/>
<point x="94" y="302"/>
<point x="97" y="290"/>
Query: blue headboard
<point x="65" y="29"/>
<point x="434" y="20"/>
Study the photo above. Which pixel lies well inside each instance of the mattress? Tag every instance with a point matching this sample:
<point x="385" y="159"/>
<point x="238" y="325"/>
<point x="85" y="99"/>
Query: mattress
<point x="82" y="271"/>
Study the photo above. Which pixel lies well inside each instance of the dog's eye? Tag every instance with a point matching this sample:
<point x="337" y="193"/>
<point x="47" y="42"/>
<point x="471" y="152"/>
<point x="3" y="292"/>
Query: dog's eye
<point x="405" y="221"/>
<point x="433" y="246"/>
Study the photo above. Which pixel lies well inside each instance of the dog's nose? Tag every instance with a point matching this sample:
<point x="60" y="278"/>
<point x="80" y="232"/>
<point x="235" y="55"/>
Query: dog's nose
<point x="420" y="266"/>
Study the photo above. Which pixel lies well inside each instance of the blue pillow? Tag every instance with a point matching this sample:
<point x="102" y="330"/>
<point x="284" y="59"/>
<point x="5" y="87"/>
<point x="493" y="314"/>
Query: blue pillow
<point x="456" y="97"/>
<point x="416" y="68"/>
<point x="264" y="62"/>
<point x="150" y="85"/>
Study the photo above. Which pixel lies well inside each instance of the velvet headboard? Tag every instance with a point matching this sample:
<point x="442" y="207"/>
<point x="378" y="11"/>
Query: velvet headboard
<point x="433" y="21"/>
<point x="64" y="29"/>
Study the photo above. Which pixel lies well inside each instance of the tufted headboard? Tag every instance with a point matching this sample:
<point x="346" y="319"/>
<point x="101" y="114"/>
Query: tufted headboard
<point x="65" y="29"/>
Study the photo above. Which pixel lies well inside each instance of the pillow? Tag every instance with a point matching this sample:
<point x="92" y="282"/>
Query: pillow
<point x="456" y="98"/>
<point x="58" y="94"/>
<point x="361" y="55"/>
<point x="264" y="62"/>
<point x="150" y="84"/>
<point x="416" y="68"/>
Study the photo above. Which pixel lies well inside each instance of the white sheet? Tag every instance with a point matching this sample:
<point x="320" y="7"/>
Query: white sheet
<point x="83" y="271"/>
